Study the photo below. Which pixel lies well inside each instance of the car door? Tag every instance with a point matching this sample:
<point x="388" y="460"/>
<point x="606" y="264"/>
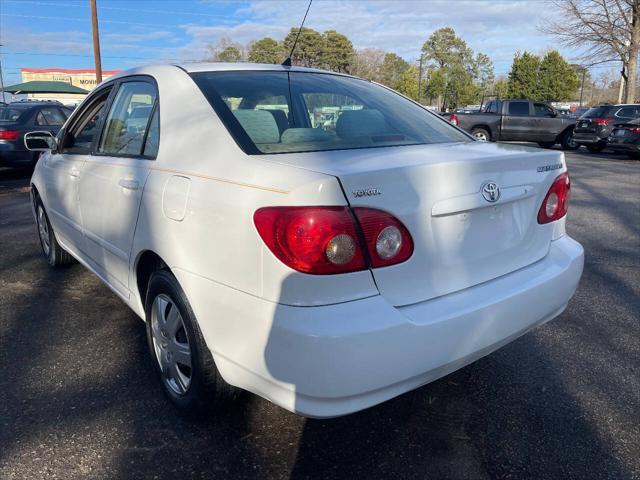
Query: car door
<point x="61" y="169"/>
<point x="546" y="124"/>
<point x="113" y="178"/>
<point x="516" y="120"/>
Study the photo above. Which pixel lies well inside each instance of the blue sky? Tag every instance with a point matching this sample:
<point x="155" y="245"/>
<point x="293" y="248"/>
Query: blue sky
<point x="57" y="33"/>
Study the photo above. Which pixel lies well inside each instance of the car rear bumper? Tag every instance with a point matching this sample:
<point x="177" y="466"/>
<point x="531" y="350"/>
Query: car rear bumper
<point x="624" y="147"/>
<point x="337" y="359"/>
<point x="587" y="138"/>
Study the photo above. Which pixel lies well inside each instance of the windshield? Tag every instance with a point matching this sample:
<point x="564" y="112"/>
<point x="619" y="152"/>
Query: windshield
<point x="286" y="112"/>
<point x="8" y="114"/>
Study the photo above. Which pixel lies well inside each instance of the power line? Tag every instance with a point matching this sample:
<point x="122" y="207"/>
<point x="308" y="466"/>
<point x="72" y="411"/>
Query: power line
<point x="77" y="55"/>
<point x="121" y="9"/>
<point x="76" y="19"/>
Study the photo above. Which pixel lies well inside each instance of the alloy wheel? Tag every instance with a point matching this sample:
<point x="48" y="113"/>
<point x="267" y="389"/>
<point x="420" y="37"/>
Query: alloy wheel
<point x="43" y="230"/>
<point x="171" y="344"/>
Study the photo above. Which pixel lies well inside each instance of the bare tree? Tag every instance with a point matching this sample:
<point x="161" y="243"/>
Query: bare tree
<point x="604" y="28"/>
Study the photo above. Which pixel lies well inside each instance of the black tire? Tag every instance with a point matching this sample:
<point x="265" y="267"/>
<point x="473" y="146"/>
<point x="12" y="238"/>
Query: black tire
<point x="206" y="389"/>
<point x="546" y="144"/>
<point x="595" y="148"/>
<point x="481" y="134"/>
<point x="566" y="141"/>
<point x="634" y="155"/>
<point x="56" y="255"/>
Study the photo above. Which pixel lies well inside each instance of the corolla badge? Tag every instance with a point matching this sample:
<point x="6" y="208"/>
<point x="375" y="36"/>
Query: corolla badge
<point x="367" y="192"/>
<point x="490" y="191"/>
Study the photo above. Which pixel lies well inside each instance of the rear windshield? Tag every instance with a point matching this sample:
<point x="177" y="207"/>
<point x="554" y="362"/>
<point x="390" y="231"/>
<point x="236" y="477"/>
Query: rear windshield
<point x="286" y="112"/>
<point x="8" y="114"/>
<point x="596" y="112"/>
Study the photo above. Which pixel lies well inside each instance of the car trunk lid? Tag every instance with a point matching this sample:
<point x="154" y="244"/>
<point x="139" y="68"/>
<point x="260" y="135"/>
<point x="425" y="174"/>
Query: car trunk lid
<point x="461" y="237"/>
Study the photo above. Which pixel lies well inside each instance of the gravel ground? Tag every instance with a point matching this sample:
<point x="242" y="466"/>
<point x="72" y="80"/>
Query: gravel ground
<point x="79" y="399"/>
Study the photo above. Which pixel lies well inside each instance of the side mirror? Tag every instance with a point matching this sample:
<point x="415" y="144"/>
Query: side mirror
<point x="40" y="141"/>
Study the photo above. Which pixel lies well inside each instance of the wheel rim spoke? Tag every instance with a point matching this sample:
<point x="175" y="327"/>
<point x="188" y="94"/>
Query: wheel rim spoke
<point x="171" y="344"/>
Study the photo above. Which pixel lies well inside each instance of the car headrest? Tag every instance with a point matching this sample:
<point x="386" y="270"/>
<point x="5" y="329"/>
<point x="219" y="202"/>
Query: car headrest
<point x="360" y="123"/>
<point x="260" y="125"/>
<point x="281" y="119"/>
<point x="304" y="135"/>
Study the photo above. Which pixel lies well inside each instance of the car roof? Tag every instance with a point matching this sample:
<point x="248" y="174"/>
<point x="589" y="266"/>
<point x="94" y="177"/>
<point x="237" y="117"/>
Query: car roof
<point x="245" y="66"/>
<point x="216" y="67"/>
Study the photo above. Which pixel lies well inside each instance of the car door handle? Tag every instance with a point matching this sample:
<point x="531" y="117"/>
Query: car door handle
<point x="129" y="184"/>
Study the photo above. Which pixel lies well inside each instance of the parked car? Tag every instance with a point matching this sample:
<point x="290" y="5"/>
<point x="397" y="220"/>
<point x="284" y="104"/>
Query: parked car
<point x="325" y="270"/>
<point x="594" y="127"/>
<point x="625" y="138"/>
<point x="519" y="120"/>
<point x="578" y="112"/>
<point x="18" y="118"/>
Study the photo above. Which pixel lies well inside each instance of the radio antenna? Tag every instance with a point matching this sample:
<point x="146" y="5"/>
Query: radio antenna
<point x="287" y="61"/>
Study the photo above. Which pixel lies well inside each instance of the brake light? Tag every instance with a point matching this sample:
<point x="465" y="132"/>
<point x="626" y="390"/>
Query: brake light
<point x="602" y="121"/>
<point x="635" y="130"/>
<point x="9" y="134"/>
<point x="453" y="119"/>
<point x="388" y="240"/>
<point x="556" y="202"/>
<point x="326" y="240"/>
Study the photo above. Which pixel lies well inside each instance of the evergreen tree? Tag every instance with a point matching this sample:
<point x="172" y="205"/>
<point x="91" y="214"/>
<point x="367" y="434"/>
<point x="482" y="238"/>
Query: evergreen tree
<point x="338" y="52"/>
<point x="558" y="80"/>
<point x="523" y="78"/>
<point x="266" y="50"/>
<point x="309" y="50"/>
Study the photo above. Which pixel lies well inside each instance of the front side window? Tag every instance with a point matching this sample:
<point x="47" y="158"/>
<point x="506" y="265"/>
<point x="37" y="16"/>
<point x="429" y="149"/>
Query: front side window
<point x="126" y="125"/>
<point x="286" y="112"/>
<point x="542" y="110"/>
<point x="518" y="108"/>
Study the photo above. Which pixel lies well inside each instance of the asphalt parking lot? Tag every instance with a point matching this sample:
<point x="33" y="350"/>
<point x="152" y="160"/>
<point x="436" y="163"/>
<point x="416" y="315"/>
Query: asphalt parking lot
<point x="79" y="399"/>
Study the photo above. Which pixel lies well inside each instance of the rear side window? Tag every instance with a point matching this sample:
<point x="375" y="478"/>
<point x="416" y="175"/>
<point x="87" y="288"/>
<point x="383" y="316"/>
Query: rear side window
<point x="518" y="108"/>
<point x="128" y="119"/>
<point x="287" y="112"/>
<point x="53" y="116"/>
<point x="626" y="112"/>
<point x="492" y="107"/>
<point x="152" y="142"/>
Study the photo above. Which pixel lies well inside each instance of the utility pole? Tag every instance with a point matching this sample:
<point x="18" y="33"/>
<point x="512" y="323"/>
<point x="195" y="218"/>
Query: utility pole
<point x="1" y="79"/>
<point x="96" y="40"/>
<point x="584" y="71"/>
<point x="420" y="79"/>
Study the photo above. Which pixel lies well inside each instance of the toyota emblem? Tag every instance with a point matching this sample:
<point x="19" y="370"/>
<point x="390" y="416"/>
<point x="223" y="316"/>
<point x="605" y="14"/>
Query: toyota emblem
<point x="490" y="192"/>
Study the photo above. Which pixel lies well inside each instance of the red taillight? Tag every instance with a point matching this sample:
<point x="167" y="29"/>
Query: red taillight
<point x="556" y="202"/>
<point x="634" y="130"/>
<point x="453" y="119"/>
<point x="318" y="240"/>
<point x="387" y="239"/>
<point x="325" y="240"/>
<point x="9" y="134"/>
<point x="602" y="121"/>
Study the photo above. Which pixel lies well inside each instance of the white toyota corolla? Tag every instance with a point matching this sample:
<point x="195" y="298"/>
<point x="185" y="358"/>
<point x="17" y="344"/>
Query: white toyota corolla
<point x="314" y="238"/>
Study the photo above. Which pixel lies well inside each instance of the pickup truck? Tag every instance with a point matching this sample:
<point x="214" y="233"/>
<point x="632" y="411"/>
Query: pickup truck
<point x="519" y="120"/>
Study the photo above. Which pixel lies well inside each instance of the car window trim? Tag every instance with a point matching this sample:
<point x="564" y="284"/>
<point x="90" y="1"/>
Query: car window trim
<point x="117" y="84"/>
